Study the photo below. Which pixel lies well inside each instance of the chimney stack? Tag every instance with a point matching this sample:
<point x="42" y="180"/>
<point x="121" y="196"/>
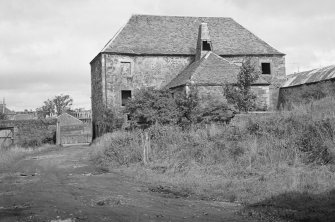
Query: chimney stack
<point x="204" y="44"/>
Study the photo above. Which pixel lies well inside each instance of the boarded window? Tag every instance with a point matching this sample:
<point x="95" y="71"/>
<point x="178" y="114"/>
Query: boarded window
<point x="266" y="68"/>
<point x="125" y="69"/>
<point x="125" y="95"/>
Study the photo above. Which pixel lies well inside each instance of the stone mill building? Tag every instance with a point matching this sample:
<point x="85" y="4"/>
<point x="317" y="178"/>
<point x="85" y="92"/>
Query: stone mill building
<point x="177" y="52"/>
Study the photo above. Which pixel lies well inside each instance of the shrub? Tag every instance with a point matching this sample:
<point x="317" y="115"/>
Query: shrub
<point x="111" y="121"/>
<point x="240" y="94"/>
<point x="151" y="106"/>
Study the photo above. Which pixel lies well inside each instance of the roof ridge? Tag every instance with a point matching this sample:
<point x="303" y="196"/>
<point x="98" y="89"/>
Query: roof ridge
<point x="201" y="67"/>
<point x="178" y="16"/>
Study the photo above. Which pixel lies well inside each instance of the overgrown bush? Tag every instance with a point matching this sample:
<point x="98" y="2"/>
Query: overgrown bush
<point x="151" y="106"/>
<point x="250" y="160"/>
<point x="111" y="121"/>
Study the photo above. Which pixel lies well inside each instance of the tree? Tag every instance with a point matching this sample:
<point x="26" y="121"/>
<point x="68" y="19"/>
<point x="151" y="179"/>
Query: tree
<point x="58" y="105"/>
<point x="188" y="107"/>
<point x="48" y="109"/>
<point x="110" y="121"/>
<point x="3" y="116"/>
<point x="240" y="94"/>
<point x="62" y="103"/>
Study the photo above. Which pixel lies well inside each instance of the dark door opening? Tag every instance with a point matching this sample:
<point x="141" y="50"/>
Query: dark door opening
<point x="125" y="95"/>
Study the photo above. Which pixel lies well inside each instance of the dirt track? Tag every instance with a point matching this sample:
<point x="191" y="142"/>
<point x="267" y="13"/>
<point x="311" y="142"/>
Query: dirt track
<point x="62" y="185"/>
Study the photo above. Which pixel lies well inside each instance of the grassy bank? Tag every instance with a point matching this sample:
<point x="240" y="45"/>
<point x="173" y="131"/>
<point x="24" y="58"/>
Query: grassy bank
<point x="279" y="161"/>
<point x="12" y="154"/>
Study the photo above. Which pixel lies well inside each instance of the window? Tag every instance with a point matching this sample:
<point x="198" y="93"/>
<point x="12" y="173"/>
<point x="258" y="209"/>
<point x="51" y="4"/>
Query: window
<point x="125" y="95"/>
<point x="125" y="69"/>
<point x="206" y="46"/>
<point x="266" y="68"/>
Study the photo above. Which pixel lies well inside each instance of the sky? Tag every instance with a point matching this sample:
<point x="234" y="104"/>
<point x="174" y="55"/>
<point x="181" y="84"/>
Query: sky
<point x="46" y="45"/>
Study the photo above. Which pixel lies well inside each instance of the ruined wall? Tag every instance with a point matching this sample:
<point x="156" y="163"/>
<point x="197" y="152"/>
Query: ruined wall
<point x="32" y="132"/>
<point x="302" y="94"/>
<point x="112" y="73"/>
<point x="263" y="101"/>
<point x="277" y="65"/>
<point x="125" y="72"/>
<point x="278" y="74"/>
<point x="209" y="94"/>
<point x="97" y="93"/>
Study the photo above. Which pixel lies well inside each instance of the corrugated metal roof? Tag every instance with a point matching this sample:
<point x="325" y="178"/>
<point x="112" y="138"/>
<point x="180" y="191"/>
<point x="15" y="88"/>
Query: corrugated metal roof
<point x="312" y="76"/>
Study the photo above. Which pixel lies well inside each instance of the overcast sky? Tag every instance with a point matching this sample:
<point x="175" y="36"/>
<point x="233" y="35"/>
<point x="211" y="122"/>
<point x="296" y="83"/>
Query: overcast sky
<point x="46" y="45"/>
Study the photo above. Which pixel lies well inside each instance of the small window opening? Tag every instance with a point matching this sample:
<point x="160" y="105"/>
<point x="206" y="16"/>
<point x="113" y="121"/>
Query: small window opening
<point x="206" y="46"/>
<point x="266" y="68"/>
<point x="125" y="95"/>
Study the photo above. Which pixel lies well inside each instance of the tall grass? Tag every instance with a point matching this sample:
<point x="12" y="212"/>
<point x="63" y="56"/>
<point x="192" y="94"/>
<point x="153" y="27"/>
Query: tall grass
<point x="249" y="160"/>
<point x="11" y="154"/>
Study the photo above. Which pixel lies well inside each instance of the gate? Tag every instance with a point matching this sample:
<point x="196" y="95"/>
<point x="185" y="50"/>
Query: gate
<point x="71" y="130"/>
<point x="74" y="134"/>
<point x="6" y="136"/>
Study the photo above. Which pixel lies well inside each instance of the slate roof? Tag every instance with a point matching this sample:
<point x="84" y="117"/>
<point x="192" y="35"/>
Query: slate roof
<point x="311" y="76"/>
<point x="176" y="35"/>
<point x="211" y="69"/>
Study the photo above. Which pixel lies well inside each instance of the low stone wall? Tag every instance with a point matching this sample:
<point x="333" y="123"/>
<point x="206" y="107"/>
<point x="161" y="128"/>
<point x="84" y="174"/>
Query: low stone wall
<point x="302" y="94"/>
<point x="31" y="132"/>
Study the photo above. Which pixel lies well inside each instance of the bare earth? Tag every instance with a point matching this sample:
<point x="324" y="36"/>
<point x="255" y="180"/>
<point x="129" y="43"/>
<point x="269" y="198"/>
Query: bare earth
<point x="62" y="185"/>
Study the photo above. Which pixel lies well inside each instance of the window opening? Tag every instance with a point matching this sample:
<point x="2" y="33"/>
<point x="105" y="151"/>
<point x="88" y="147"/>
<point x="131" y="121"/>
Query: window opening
<point x="266" y="68"/>
<point x="206" y="46"/>
<point x="125" y="95"/>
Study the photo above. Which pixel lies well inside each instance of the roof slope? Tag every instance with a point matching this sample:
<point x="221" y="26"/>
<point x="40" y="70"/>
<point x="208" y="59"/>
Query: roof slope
<point x="66" y="119"/>
<point x="209" y="70"/>
<point x="176" y="35"/>
<point x="7" y="111"/>
<point x="311" y="76"/>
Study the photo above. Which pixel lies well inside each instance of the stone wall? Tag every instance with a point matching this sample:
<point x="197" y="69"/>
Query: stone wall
<point x="278" y="70"/>
<point x="111" y="73"/>
<point x="135" y="72"/>
<point x="31" y="132"/>
<point x="304" y="93"/>
<point x="208" y="94"/>
<point x="97" y="93"/>
<point x="216" y="93"/>
<point x="278" y="74"/>
<point x="263" y="97"/>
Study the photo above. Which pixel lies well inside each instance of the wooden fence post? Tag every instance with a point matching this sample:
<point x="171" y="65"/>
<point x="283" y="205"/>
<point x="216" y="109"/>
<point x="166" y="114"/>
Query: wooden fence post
<point x="58" y="133"/>
<point x="146" y="147"/>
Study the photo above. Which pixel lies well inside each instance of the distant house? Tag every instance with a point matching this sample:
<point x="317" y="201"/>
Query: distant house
<point x="25" y="115"/>
<point x="4" y="110"/>
<point x="84" y="115"/>
<point x="178" y="52"/>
